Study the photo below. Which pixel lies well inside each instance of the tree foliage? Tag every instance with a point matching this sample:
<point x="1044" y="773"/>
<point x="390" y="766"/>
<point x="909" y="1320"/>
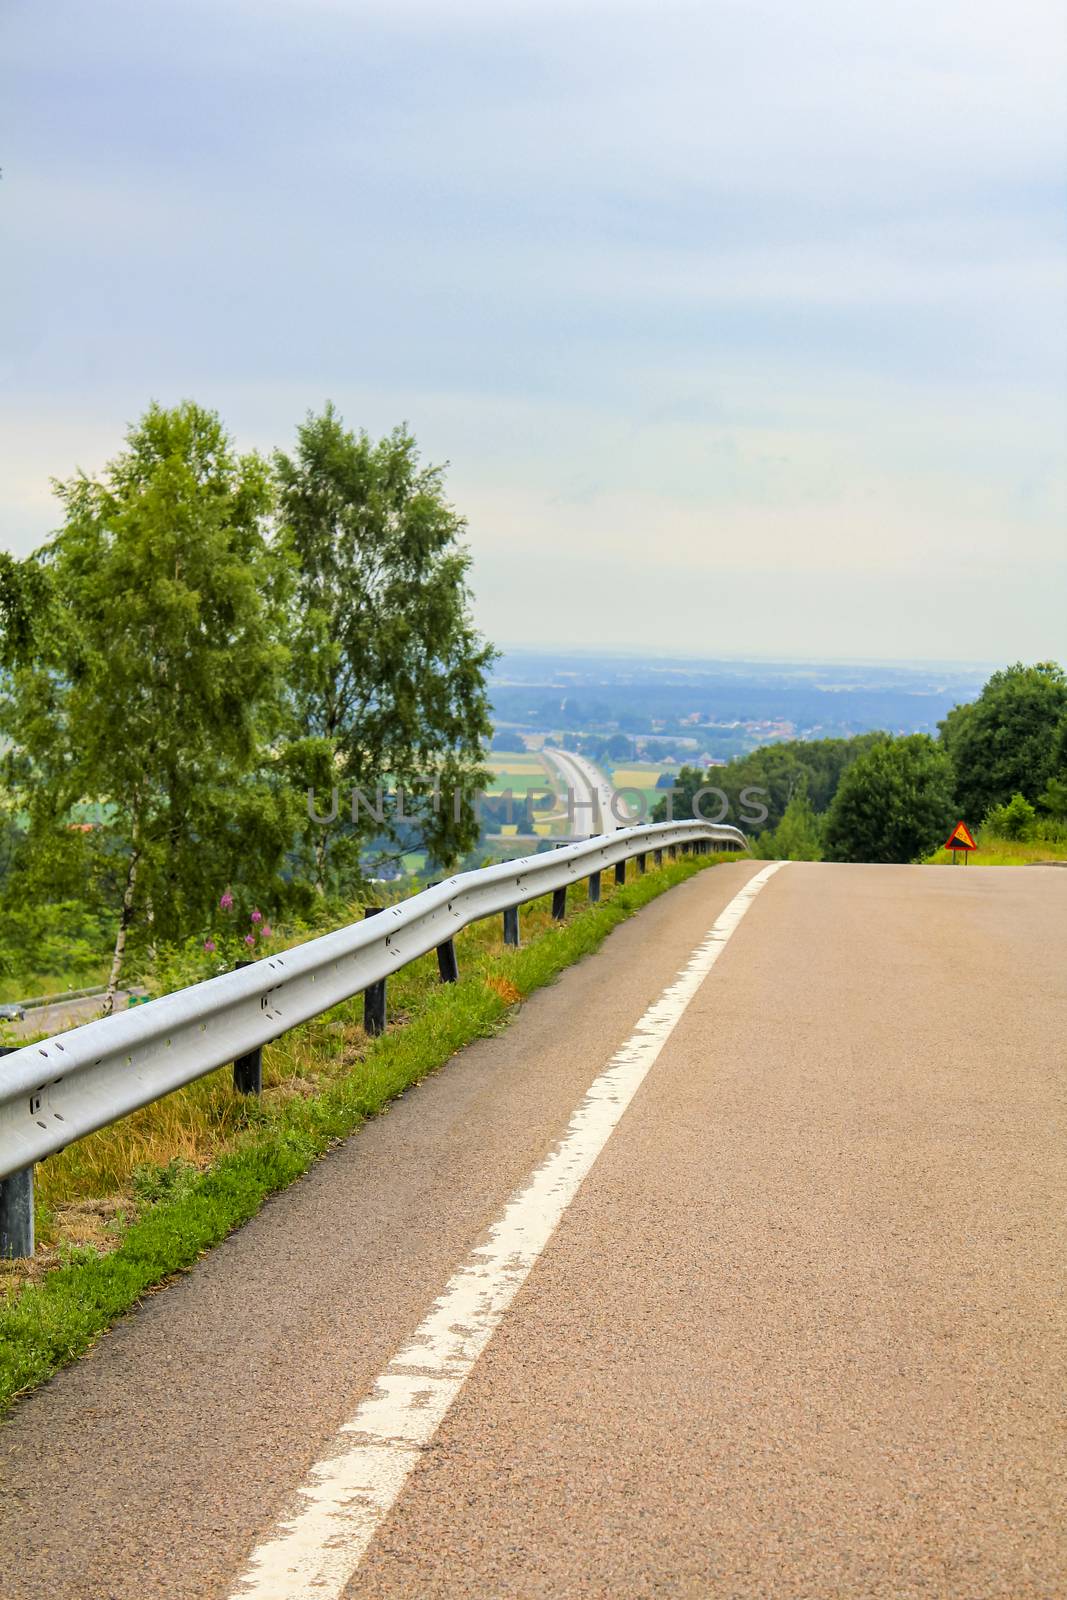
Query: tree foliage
<point x="204" y="638"/>
<point x="388" y="671"/>
<point x="1017" y="820"/>
<point x="798" y="836"/>
<point x="797" y="766"/>
<point x="1005" y="742"/>
<point x="149" y="686"/>
<point x="894" y="803"/>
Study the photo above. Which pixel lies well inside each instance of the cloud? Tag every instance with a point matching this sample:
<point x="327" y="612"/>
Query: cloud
<point x="681" y="288"/>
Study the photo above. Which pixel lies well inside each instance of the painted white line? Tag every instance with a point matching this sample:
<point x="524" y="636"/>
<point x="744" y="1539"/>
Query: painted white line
<point x="350" y="1492"/>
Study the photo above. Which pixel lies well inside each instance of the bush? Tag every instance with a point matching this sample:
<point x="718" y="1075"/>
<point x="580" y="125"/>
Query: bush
<point x="798" y="837"/>
<point x="1017" y="820"/>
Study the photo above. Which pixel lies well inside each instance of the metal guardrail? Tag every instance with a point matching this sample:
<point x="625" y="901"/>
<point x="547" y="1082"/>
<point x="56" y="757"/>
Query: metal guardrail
<point x="60" y="1089"/>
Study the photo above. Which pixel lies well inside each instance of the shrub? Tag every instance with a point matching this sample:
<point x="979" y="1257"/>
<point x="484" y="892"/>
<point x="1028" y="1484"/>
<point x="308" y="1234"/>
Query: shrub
<point x="1017" y="820"/>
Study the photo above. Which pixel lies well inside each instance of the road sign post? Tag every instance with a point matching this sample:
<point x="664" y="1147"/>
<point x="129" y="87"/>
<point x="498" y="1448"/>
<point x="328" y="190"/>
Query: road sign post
<point x="961" y="839"/>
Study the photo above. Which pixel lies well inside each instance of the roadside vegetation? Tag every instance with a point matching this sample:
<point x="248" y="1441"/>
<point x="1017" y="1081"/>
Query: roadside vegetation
<point x="999" y="763"/>
<point x="994" y="852"/>
<point x="207" y="637"/>
<point x="133" y="1204"/>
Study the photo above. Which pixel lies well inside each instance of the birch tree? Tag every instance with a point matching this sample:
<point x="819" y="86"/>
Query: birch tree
<point x="388" y="673"/>
<point x="151" y="684"/>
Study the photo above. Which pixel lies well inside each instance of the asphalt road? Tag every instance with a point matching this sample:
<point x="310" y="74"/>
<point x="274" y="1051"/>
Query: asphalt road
<point x="800" y="1331"/>
<point x="64" y="1014"/>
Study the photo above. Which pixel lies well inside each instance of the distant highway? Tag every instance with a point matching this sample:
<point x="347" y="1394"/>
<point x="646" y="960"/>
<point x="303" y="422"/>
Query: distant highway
<point x="591" y="791"/>
<point x="64" y="1014"/>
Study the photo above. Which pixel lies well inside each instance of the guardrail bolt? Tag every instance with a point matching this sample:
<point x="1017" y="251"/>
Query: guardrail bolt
<point x="16" y="1205"/>
<point x="559" y="903"/>
<point x="248" y="1070"/>
<point x="594" y="886"/>
<point x="447" y="965"/>
<point x="511" y="925"/>
<point x="374" y="994"/>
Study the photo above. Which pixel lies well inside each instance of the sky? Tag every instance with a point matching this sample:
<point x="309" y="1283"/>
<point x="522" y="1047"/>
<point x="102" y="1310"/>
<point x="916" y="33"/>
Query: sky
<point x="742" y="324"/>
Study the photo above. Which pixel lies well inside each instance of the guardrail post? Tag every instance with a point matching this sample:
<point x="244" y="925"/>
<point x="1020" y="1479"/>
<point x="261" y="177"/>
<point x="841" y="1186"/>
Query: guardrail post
<point x="657" y="858"/>
<point x="620" y="872"/>
<point x="248" y="1070"/>
<point x="559" y="903"/>
<point x="16" y="1205"/>
<point x="16" y="1215"/>
<point x="374" y="994"/>
<point x="447" y="965"/>
<point x="511" y="925"/>
<point x="672" y="851"/>
<point x="594" y="886"/>
<point x="642" y="861"/>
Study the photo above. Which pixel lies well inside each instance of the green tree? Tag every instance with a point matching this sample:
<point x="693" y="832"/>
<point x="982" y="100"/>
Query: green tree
<point x="389" y="674"/>
<point x="798" y="837"/>
<point x="150" y="682"/>
<point x="779" y="771"/>
<point x="1003" y="743"/>
<point x="1016" y="820"/>
<point x="1053" y="797"/>
<point x="893" y="804"/>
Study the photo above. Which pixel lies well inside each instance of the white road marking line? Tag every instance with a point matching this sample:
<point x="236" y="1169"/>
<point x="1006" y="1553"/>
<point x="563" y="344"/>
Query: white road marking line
<point x="317" y="1549"/>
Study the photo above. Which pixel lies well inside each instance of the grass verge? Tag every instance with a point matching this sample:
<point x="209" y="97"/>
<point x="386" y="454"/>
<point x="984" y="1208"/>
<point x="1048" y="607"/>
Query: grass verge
<point x="174" y="1210"/>
<point x="993" y="852"/>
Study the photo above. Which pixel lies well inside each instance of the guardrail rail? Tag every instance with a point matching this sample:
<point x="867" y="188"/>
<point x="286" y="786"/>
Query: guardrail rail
<point x="60" y="1089"/>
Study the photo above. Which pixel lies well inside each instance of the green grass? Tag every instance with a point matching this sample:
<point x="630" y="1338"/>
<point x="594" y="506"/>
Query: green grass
<point x="994" y="852"/>
<point x="173" y="1210"/>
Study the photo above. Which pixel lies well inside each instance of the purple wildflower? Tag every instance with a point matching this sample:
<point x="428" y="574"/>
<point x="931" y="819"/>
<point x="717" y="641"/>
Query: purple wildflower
<point x="257" y="916"/>
<point x="209" y="945"/>
<point x="265" y="931"/>
<point x="250" y="938"/>
<point x="226" y="903"/>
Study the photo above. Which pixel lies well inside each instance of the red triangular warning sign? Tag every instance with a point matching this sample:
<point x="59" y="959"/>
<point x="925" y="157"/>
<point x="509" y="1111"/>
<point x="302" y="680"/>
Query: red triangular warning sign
<point x="961" y="838"/>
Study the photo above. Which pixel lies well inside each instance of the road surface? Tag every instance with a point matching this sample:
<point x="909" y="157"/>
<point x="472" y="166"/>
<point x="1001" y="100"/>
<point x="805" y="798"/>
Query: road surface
<point x="795" y="1329"/>
<point x="64" y="1014"/>
<point x="591" y="811"/>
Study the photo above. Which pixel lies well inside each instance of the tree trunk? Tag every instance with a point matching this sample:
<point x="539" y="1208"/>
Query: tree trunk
<point x="125" y="918"/>
<point x="320" y="864"/>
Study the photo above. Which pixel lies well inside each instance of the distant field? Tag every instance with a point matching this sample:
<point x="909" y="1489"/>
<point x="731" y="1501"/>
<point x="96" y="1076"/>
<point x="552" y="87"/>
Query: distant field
<point x="518" y="773"/>
<point x="643" y="777"/>
<point x="506" y="762"/>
